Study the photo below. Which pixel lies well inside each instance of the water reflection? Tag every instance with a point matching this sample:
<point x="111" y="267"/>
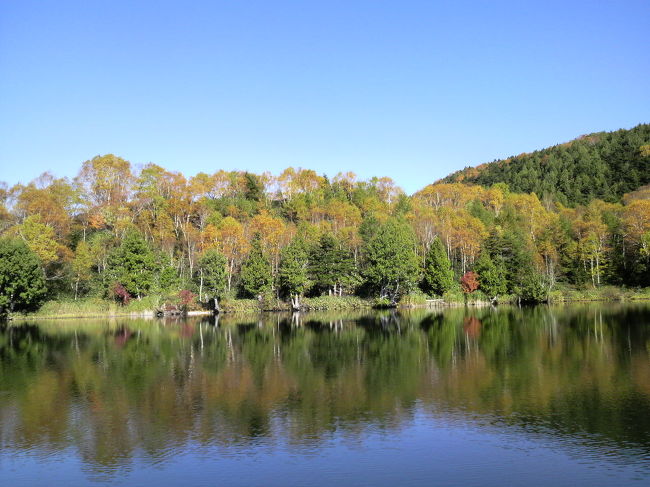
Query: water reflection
<point x="108" y="391"/>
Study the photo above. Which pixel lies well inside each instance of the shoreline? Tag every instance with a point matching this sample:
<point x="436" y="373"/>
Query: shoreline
<point x="346" y="303"/>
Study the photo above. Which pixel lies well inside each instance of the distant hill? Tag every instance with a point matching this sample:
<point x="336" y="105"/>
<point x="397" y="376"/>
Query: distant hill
<point x="603" y="165"/>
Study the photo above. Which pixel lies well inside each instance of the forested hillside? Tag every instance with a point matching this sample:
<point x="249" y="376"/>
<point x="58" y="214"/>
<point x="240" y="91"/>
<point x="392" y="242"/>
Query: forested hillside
<point x="603" y="165"/>
<point x="121" y="233"/>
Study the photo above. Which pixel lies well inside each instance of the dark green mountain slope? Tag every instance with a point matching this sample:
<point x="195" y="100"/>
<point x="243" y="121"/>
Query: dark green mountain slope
<point x="602" y="165"/>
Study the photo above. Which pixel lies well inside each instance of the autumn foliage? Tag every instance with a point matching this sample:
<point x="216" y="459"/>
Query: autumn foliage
<point x="238" y="234"/>
<point x="121" y="294"/>
<point x="186" y="299"/>
<point x="469" y="282"/>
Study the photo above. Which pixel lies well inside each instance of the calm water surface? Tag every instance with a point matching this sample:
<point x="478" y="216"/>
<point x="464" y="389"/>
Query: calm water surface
<point x="538" y="396"/>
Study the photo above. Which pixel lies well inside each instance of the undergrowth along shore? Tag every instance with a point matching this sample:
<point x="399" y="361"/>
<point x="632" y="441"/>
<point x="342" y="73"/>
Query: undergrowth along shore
<point x="148" y="306"/>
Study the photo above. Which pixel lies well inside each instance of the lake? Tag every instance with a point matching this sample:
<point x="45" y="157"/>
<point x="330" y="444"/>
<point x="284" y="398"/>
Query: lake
<point x="491" y="397"/>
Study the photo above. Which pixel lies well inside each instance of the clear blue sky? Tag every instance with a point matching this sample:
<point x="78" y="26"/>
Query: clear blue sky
<point x="407" y="89"/>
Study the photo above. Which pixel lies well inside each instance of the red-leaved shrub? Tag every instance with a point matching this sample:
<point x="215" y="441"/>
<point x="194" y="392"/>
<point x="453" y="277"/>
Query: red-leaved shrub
<point x="121" y="294"/>
<point x="469" y="282"/>
<point x="186" y="298"/>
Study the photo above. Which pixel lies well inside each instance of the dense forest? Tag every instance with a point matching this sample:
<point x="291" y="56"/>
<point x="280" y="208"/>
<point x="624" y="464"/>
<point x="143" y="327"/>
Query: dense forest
<point x="121" y="233"/>
<point x="603" y="165"/>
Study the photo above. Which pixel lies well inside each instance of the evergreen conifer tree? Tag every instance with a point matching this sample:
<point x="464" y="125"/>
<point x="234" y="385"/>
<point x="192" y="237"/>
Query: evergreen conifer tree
<point x="211" y="273"/>
<point x="491" y="275"/>
<point x="331" y="267"/>
<point x="511" y="249"/>
<point x="392" y="267"/>
<point x="22" y="283"/>
<point x="438" y="274"/>
<point x="293" y="272"/>
<point x="256" y="276"/>
<point x="133" y="264"/>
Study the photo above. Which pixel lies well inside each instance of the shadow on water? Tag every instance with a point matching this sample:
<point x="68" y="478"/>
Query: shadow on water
<point x="110" y="390"/>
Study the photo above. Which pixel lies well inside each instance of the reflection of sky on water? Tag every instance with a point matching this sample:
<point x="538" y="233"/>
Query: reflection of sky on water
<point x="426" y="450"/>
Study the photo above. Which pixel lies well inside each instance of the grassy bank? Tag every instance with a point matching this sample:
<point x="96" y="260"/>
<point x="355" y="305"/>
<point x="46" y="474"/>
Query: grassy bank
<point x="566" y="294"/>
<point x="326" y="303"/>
<point x="148" y="306"/>
<point x="95" y="307"/>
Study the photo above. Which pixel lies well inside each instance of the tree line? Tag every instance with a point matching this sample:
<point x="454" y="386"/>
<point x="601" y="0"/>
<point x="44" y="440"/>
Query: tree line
<point x="122" y="233"/>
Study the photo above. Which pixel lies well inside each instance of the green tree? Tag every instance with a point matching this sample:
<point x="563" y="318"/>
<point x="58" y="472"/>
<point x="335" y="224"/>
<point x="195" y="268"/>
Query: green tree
<point x="533" y="288"/>
<point x="133" y="264"/>
<point x="392" y="266"/>
<point x="293" y="272"/>
<point x="168" y="278"/>
<point x="511" y="249"/>
<point x="254" y="187"/>
<point x="368" y="228"/>
<point x="256" y="274"/>
<point x="212" y="273"/>
<point x="331" y="267"/>
<point x="438" y="274"/>
<point x="82" y="264"/>
<point x="22" y="283"/>
<point x="491" y="275"/>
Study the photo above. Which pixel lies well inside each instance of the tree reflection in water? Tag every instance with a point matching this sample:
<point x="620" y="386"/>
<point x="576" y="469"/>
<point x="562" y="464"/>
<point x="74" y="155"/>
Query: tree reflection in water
<point x="111" y="388"/>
